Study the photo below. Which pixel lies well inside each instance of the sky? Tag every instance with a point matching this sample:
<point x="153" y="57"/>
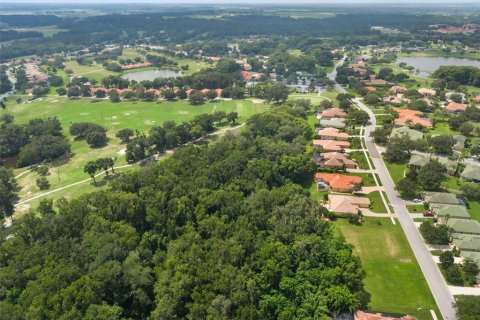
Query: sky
<point x="244" y="1"/>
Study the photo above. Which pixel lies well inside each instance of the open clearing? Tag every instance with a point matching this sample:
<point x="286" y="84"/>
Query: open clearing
<point x="113" y="116"/>
<point x="394" y="279"/>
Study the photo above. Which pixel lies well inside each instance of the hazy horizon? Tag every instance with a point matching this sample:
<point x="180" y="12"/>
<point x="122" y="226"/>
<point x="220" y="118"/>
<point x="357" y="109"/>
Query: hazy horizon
<point x="283" y="2"/>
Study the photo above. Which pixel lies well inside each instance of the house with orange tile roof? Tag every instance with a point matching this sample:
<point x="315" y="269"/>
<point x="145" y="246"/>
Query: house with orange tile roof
<point x="331" y="145"/>
<point x="371" y="88"/>
<point x="476" y="99"/>
<point x="337" y="182"/>
<point x="408" y="116"/>
<point x="455" y="107"/>
<point x="345" y="204"/>
<point x="137" y="65"/>
<point x="332" y="134"/>
<point x="427" y="92"/>
<point x="331" y="113"/>
<point x="371" y="315"/>
<point x="251" y="76"/>
<point x="189" y="92"/>
<point x="334" y="160"/>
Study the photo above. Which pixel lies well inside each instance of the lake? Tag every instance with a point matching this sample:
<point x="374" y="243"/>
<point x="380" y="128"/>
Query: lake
<point x="151" y="74"/>
<point x="424" y="66"/>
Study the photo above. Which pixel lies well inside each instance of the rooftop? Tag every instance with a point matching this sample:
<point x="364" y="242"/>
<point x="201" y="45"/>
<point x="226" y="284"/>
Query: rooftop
<point x="332" y="145"/>
<point x="404" y="130"/>
<point x="333" y="132"/>
<point x="467" y="242"/>
<point x="406" y="116"/>
<point x="464" y="226"/>
<point x="346" y="204"/>
<point x="441" y="198"/>
<point x="471" y="172"/>
<point x="339" y="181"/>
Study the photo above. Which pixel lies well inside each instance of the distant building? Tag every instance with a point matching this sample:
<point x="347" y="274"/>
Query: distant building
<point x="346" y="204"/>
<point x="337" y="182"/>
<point x="334" y="160"/>
<point x="371" y="315"/>
<point x="406" y="131"/>
<point x="471" y="173"/>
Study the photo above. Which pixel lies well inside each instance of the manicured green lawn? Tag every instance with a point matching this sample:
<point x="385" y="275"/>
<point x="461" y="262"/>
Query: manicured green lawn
<point x="394" y="279"/>
<point x="376" y="202"/>
<point x="94" y="71"/>
<point x="397" y="171"/>
<point x="416" y="208"/>
<point x="359" y="157"/>
<point x="442" y="128"/>
<point x="115" y="116"/>
<point x="474" y="210"/>
<point x="141" y="116"/>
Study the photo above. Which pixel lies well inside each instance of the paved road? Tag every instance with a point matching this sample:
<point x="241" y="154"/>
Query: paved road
<point x="435" y="280"/>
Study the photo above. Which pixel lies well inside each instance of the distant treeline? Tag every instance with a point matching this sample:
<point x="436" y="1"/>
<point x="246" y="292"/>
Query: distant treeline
<point x="178" y="29"/>
<point x="9" y="35"/>
<point x="30" y="20"/>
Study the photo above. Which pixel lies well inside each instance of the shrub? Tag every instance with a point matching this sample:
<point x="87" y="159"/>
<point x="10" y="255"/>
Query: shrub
<point x="42" y="183"/>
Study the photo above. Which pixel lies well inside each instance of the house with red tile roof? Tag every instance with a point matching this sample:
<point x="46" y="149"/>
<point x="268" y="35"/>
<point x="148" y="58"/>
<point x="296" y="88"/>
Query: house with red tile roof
<point x="332" y="134"/>
<point x="476" y="99"/>
<point x="334" y="160"/>
<point x="337" y="182"/>
<point x="189" y="91"/>
<point x="331" y="145"/>
<point x="455" y="107"/>
<point x="331" y="113"/>
<point x="371" y="89"/>
<point x="408" y="116"/>
<point x="137" y="65"/>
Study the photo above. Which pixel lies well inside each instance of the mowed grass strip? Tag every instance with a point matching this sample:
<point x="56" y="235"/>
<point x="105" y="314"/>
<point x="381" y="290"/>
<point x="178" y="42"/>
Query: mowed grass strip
<point x="394" y="278"/>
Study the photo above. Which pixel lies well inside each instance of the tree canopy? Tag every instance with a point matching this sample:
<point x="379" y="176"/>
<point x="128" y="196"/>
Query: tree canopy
<point x="219" y="231"/>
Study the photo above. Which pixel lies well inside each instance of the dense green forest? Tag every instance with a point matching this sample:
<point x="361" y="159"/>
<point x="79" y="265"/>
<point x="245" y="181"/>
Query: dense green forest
<point x="113" y="28"/>
<point x="214" y="232"/>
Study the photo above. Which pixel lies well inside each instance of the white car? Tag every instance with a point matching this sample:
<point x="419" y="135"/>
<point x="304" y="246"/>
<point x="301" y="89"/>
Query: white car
<point x="417" y="200"/>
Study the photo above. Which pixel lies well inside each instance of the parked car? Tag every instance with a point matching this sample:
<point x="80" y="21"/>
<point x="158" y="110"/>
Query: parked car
<point x="417" y="200"/>
<point x="429" y="213"/>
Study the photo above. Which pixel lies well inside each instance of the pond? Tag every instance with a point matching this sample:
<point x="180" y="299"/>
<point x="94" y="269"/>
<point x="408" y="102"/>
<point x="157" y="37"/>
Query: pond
<point x="424" y="66"/>
<point x="151" y="74"/>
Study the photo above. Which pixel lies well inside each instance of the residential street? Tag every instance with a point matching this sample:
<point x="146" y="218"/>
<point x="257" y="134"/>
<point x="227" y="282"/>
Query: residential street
<point x="435" y="280"/>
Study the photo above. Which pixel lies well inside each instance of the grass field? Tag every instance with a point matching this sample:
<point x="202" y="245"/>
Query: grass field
<point x="397" y="171"/>
<point x="141" y="116"/>
<point x="47" y="31"/>
<point x="394" y="279"/>
<point x="94" y="71"/>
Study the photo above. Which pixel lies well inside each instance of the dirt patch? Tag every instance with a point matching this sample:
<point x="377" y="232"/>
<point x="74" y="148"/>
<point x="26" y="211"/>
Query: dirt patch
<point x="406" y="260"/>
<point x="183" y="112"/>
<point x="391" y="245"/>
<point x="149" y="122"/>
<point x="85" y="114"/>
<point x="122" y="152"/>
<point x="258" y="101"/>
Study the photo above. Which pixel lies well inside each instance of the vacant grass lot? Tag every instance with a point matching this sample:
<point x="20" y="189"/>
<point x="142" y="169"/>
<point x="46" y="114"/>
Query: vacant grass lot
<point x="360" y="159"/>
<point x="394" y="279"/>
<point x="141" y="116"/>
<point x="397" y="171"/>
